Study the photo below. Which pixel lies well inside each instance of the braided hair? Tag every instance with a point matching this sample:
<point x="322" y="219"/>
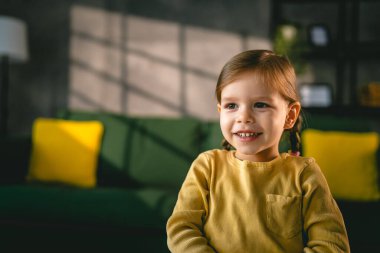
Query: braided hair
<point x="295" y="138"/>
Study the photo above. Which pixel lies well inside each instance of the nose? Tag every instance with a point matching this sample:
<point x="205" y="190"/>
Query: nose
<point x="245" y="116"/>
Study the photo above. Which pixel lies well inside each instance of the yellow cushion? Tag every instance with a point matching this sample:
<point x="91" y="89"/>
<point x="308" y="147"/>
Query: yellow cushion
<point x="65" y="151"/>
<point x="348" y="161"/>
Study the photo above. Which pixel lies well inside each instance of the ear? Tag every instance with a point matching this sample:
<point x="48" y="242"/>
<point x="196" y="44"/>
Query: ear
<point x="292" y="116"/>
<point x="219" y="108"/>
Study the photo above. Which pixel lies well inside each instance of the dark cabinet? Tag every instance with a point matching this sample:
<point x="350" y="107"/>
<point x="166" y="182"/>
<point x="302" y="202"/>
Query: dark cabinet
<point x="353" y="53"/>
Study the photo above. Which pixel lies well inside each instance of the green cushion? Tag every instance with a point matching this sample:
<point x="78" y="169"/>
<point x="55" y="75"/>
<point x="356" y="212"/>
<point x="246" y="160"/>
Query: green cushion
<point x="163" y="150"/>
<point x="212" y="136"/>
<point x="152" y="151"/>
<point x="102" y="206"/>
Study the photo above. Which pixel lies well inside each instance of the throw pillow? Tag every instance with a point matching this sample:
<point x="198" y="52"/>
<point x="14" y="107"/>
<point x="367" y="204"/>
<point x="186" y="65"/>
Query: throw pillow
<point x="65" y="151"/>
<point x="348" y="161"/>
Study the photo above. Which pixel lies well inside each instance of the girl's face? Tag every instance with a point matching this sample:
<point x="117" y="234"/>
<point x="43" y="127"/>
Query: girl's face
<point x="253" y="118"/>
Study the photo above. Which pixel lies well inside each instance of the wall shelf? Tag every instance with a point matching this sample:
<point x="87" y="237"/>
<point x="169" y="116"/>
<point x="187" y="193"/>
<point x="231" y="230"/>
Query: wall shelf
<point x="346" y="50"/>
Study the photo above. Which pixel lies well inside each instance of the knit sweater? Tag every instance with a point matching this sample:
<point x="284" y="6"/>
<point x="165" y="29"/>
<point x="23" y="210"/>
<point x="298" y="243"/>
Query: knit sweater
<point x="229" y="205"/>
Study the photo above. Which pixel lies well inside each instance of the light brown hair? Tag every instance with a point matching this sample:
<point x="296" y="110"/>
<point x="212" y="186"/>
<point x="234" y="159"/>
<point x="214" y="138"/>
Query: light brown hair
<point x="272" y="70"/>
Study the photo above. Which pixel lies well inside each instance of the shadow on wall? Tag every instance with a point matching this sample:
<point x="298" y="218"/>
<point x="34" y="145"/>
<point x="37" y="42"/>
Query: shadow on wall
<point x="141" y="66"/>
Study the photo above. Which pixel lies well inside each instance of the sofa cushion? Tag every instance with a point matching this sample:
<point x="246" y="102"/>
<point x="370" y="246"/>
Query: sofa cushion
<point x="139" y="151"/>
<point x="211" y="136"/>
<point x="43" y="204"/>
<point x="65" y="151"/>
<point x="348" y="161"/>
<point x="163" y="150"/>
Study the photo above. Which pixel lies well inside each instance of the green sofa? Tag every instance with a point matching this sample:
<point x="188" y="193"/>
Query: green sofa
<point x="141" y="166"/>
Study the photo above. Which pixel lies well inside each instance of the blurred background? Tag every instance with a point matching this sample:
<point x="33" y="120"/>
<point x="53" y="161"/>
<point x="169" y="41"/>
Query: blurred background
<point x="162" y="57"/>
<point x="159" y="60"/>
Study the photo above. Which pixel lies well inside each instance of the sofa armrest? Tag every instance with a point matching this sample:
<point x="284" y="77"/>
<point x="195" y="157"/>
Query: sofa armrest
<point x="14" y="158"/>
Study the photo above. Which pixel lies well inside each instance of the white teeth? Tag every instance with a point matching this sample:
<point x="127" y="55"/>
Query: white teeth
<point x="247" y="134"/>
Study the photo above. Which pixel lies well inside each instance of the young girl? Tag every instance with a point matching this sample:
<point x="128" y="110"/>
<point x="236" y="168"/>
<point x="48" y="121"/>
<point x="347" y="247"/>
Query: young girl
<point x="252" y="198"/>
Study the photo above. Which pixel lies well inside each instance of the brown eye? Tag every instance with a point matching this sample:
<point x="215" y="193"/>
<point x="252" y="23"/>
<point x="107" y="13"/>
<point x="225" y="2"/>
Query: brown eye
<point x="231" y="106"/>
<point x="260" y="105"/>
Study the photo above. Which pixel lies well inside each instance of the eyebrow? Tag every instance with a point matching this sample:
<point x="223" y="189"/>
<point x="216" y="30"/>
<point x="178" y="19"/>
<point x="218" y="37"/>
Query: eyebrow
<point x="253" y="98"/>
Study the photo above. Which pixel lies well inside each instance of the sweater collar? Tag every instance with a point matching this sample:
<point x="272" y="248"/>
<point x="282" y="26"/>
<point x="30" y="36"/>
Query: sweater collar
<point x="245" y="163"/>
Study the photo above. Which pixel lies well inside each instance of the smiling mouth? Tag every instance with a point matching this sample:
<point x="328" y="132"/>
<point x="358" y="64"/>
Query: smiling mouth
<point x="248" y="135"/>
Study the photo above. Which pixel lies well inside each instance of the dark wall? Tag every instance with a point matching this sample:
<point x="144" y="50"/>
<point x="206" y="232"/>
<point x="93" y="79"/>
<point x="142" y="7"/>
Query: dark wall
<point x="38" y="86"/>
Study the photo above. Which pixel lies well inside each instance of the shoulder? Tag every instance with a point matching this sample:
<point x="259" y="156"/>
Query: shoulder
<point x="298" y="162"/>
<point x="301" y="165"/>
<point x="212" y="158"/>
<point x="204" y="165"/>
<point x="310" y="172"/>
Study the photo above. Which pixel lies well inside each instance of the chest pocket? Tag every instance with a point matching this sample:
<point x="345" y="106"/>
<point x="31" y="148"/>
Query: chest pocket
<point x="283" y="215"/>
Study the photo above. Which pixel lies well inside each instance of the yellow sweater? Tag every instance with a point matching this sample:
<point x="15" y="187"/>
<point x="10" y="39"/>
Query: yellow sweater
<point x="229" y="205"/>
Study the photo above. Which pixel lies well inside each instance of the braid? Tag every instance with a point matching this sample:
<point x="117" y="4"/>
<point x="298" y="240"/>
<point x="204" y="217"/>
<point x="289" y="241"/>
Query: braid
<point x="226" y="145"/>
<point x="295" y="138"/>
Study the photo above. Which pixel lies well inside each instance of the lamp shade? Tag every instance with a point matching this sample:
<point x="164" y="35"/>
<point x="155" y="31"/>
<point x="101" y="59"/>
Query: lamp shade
<point x="13" y="39"/>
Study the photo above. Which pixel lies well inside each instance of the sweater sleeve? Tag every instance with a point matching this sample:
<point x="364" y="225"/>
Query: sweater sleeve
<point x="185" y="225"/>
<point x="323" y="221"/>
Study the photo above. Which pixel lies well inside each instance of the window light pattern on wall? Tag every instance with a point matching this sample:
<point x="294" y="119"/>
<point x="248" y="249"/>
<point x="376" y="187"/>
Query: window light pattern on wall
<point x="148" y="67"/>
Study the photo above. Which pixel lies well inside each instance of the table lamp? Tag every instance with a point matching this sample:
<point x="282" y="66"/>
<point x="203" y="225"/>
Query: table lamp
<point x="13" y="48"/>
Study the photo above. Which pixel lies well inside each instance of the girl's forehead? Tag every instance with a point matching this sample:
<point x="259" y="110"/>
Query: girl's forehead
<point x="254" y="77"/>
<point x="248" y="84"/>
<point x="250" y="88"/>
